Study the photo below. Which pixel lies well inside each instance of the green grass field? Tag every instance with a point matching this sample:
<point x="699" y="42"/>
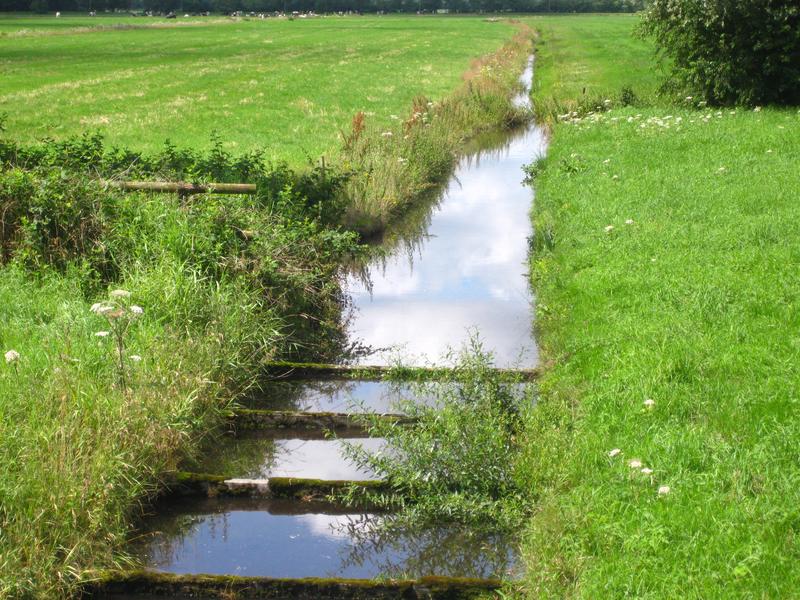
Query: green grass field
<point x="285" y="86"/>
<point x="665" y="270"/>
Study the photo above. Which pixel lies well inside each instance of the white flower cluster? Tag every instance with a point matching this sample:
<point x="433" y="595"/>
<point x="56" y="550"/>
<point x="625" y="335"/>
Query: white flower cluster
<point x="636" y="463"/>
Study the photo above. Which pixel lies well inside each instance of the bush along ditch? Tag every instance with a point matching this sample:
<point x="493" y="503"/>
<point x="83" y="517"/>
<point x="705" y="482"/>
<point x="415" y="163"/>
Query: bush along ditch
<point x="455" y="459"/>
<point x="128" y="324"/>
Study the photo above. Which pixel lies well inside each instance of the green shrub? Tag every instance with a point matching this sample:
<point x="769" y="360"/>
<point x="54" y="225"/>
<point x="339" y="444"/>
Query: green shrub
<point x="730" y="51"/>
<point x="457" y="462"/>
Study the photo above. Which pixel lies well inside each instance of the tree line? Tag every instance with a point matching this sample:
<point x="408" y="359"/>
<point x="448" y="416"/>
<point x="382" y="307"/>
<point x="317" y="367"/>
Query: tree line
<point x="320" y="6"/>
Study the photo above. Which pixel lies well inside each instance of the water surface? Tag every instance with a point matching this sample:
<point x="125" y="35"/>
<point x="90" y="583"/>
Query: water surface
<point x="254" y="537"/>
<point x="468" y="274"/>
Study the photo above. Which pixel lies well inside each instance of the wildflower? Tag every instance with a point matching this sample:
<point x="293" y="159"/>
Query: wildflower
<point x="12" y="356"/>
<point x="609" y="228"/>
<point x="635" y="463"/>
<point x="721" y="169"/>
<point x="387" y="134"/>
<point x="647" y="471"/>
<point x="100" y="309"/>
<point x="137" y="310"/>
<point x="615" y="177"/>
<point x="757" y="109"/>
<point x="769" y="151"/>
<point x="95" y="308"/>
<point x="135" y="358"/>
<point x="649" y="403"/>
<point x="101" y="334"/>
<point x="629" y="222"/>
<point x="606" y="161"/>
<point x="120" y="294"/>
<point x="663" y="490"/>
<point x="689" y="98"/>
<point x="614" y="452"/>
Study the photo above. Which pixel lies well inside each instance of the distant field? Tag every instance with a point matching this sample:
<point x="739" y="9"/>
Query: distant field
<point x="593" y="55"/>
<point x="286" y="86"/>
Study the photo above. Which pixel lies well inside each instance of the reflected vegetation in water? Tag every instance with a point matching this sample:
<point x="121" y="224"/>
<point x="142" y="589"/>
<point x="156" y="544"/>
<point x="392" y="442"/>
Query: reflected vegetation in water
<point x="257" y="455"/>
<point x="466" y="271"/>
<point x="275" y="539"/>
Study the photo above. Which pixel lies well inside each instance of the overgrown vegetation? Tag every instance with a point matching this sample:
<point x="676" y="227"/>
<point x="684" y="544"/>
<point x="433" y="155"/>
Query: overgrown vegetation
<point x="730" y="52"/>
<point x="660" y="457"/>
<point x="98" y="403"/>
<point x="459" y="461"/>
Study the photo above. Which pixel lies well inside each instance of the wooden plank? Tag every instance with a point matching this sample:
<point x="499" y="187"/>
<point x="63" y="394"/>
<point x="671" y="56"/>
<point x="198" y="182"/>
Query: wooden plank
<point x="180" y="187"/>
<point x="248" y="419"/>
<point x="296" y="370"/>
<point x="151" y="584"/>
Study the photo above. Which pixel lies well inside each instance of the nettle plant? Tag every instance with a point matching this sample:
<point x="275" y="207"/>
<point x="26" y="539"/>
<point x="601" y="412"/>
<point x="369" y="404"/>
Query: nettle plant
<point x="120" y="314"/>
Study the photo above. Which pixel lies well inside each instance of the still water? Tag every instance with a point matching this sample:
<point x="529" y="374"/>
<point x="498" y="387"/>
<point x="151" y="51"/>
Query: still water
<point x="468" y="274"/>
<point x="271" y="538"/>
<point x="255" y="455"/>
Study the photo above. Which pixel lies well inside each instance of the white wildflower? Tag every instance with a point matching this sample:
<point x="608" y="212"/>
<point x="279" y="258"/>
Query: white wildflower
<point x="609" y="228"/>
<point x="614" y="452"/>
<point x="135" y="358"/>
<point x="95" y="308"/>
<point x="120" y="294"/>
<point x="635" y="463"/>
<point x="101" y="334"/>
<point x="387" y="134"/>
<point x="757" y="109"/>
<point x="615" y="177"/>
<point x="721" y="169"/>
<point x="137" y="310"/>
<point x="647" y="471"/>
<point x="12" y="356"/>
<point x="649" y="403"/>
<point x="663" y="490"/>
<point x="629" y="222"/>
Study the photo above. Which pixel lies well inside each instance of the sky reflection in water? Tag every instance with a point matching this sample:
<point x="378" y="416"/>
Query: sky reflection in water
<point x="469" y="275"/>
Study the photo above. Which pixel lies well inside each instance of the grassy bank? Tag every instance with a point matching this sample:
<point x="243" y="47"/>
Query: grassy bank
<point x="287" y="87"/>
<point x="662" y="455"/>
<point x="104" y="390"/>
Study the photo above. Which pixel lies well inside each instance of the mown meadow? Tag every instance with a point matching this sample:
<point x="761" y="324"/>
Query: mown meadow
<point x="661" y="459"/>
<point x="286" y="88"/>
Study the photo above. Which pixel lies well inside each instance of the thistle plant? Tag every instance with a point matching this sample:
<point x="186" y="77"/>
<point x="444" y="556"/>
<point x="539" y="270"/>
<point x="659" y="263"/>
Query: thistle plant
<point x="120" y="314"/>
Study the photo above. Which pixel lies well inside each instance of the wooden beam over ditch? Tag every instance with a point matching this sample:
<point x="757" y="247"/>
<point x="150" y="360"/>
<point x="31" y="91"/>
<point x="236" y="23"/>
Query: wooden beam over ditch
<point x="250" y="419"/>
<point x="166" y="585"/>
<point x="295" y="370"/>
<point x="181" y="187"/>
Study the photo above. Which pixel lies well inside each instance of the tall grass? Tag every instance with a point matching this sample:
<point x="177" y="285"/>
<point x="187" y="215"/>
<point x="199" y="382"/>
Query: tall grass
<point x="89" y="423"/>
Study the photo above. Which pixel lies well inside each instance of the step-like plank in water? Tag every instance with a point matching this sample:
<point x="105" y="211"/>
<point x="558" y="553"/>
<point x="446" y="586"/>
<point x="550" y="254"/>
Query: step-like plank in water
<point x="243" y="419"/>
<point x="148" y="585"/>
<point x="298" y="370"/>
<point x="184" y="484"/>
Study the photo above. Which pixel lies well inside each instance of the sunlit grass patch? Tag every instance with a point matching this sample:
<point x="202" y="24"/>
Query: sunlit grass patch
<point x="667" y="301"/>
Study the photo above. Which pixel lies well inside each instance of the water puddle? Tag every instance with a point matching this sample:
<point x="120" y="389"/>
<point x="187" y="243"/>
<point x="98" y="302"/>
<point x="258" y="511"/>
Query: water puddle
<point x="469" y="271"/>
<point x="254" y="537"/>
<point x="256" y="455"/>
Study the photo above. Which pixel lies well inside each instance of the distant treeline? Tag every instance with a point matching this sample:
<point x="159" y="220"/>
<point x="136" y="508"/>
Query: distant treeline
<point x="322" y="6"/>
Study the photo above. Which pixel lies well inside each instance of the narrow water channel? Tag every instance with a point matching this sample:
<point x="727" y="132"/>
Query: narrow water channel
<point x="466" y="274"/>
